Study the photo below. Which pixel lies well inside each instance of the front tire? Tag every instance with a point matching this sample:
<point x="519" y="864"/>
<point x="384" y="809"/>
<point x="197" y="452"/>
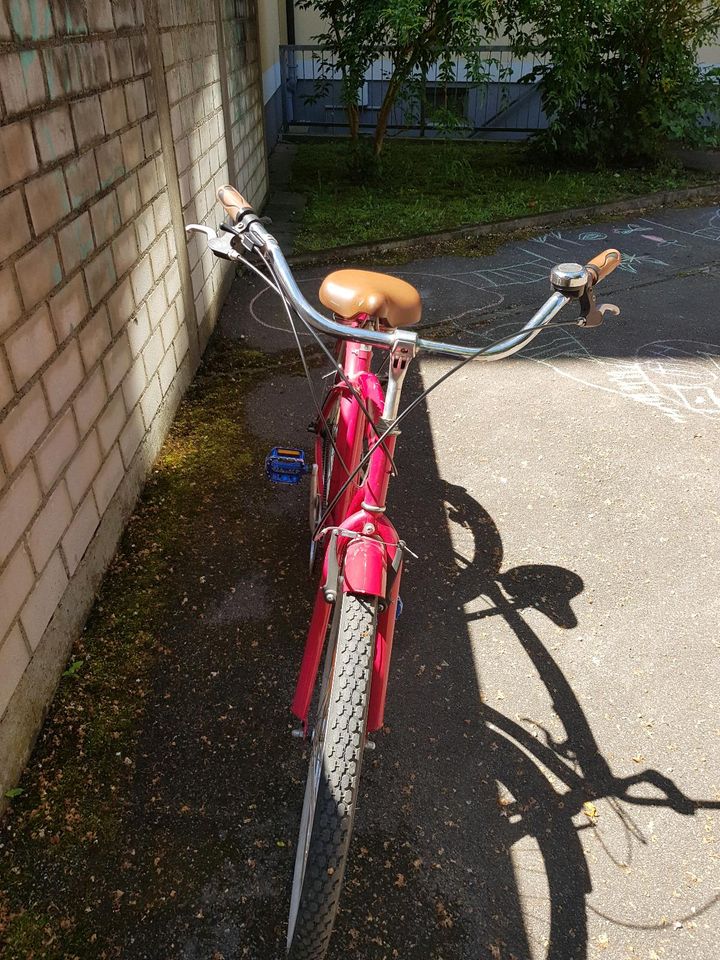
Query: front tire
<point x="333" y="778"/>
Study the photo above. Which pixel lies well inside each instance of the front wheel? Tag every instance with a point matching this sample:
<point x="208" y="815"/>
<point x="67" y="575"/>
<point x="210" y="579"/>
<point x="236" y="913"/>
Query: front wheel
<point x="333" y="778"/>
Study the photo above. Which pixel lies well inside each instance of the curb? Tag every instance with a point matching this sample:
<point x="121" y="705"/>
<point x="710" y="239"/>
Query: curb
<point x="506" y="227"/>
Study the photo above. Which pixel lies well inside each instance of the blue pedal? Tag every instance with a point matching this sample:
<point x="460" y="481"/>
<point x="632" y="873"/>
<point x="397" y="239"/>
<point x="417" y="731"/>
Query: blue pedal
<point x="285" y="465"/>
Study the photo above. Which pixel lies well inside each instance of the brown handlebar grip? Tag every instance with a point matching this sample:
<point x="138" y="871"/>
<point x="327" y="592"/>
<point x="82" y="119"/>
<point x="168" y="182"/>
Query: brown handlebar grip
<point x="603" y="264"/>
<point x="233" y="201"/>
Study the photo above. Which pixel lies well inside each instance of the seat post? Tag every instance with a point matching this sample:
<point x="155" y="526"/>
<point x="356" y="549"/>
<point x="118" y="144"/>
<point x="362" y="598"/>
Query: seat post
<point x="402" y="351"/>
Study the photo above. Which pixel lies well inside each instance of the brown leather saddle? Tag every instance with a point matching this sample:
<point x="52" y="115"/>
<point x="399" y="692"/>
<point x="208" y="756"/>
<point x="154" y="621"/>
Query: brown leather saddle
<point x="349" y="293"/>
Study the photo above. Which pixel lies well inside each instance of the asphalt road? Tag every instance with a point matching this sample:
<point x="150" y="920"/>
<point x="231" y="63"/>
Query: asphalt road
<point x="549" y="783"/>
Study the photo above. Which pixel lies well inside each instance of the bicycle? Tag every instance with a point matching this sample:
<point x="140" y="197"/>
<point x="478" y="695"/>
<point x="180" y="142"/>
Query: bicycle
<point x="357" y="599"/>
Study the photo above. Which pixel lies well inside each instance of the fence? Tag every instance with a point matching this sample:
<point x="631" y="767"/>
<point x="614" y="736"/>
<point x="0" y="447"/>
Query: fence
<point x="493" y="93"/>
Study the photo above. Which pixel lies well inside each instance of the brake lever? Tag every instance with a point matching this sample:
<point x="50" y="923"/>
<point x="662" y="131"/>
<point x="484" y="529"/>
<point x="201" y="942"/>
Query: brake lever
<point x="201" y="228"/>
<point x="592" y="315"/>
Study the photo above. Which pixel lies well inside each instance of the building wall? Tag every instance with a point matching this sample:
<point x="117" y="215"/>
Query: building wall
<point x="116" y="120"/>
<point x="308" y="25"/>
<point x="272" y="22"/>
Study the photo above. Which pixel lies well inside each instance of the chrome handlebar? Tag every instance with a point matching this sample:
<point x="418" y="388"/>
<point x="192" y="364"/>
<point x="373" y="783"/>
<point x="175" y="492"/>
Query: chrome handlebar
<point x="253" y="234"/>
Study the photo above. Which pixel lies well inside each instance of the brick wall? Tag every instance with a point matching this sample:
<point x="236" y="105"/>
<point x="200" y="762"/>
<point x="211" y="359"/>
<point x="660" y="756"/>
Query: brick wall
<point x="119" y="121"/>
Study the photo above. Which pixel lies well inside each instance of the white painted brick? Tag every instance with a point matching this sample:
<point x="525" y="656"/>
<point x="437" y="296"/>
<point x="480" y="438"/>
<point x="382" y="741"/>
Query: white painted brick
<point x="172" y="282"/>
<point x="21" y="81"/>
<point x="121" y="306"/>
<point x="69" y="307"/>
<point x="108" y="479"/>
<point x="110" y="166"/>
<point x="167" y="371"/>
<point x="38" y="271"/>
<point x="48" y="201"/>
<point x="145" y="226"/>
<point x="10" y="309"/>
<point x="18" y="504"/>
<point x="14" y="658"/>
<point x="80" y="533"/>
<point x="120" y="59"/>
<point x="76" y="242"/>
<point x="82" y="470"/>
<point x="125" y="250"/>
<point x="94" y="338"/>
<point x="169" y="326"/>
<point x="150" y="401"/>
<point x="105" y="216"/>
<point x="124" y="13"/>
<point x="33" y="20"/>
<point x="16" y="581"/>
<point x="133" y="150"/>
<point x="131" y="436"/>
<point x="181" y="344"/>
<point x="62" y="68"/>
<point x="157" y="304"/>
<point x="16" y="229"/>
<point x="100" y="276"/>
<point x="17" y="153"/>
<point x="128" y="195"/>
<point x="56" y="450"/>
<point x="138" y="330"/>
<point x="117" y="362"/>
<point x="81" y="175"/>
<point x="53" y="132"/>
<point x="111" y="422"/>
<point x="134" y="384"/>
<point x="112" y="103"/>
<point x="30" y="346"/>
<point x="137" y="107"/>
<point x="87" y="120"/>
<point x="43" y="602"/>
<point x="99" y="15"/>
<point x="151" y="136"/>
<point x="141" y="63"/>
<point x="141" y="279"/>
<point x="52" y="522"/>
<point x="94" y="65"/>
<point x="63" y="377"/>
<point x="7" y="390"/>
<point x="90" y="401"/>
<point x="148" y="180"/>
<point x="198" y="279"/>
<point x="22" y="426"/>
<point x="159" y="257"/>
<point x="153" y="353"/>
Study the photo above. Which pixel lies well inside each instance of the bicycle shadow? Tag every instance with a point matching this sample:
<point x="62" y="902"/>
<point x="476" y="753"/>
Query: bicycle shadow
<point x="491" y="809"/>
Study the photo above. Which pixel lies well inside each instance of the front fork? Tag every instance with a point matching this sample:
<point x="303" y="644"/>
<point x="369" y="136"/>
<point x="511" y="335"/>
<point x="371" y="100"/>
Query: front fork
<point x="370" y="562"/>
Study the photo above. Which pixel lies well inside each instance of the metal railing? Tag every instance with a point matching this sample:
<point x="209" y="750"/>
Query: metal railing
<point x="491" y="93"/>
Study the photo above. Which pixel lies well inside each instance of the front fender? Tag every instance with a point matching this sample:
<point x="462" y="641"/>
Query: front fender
<point x="364" y="568"/>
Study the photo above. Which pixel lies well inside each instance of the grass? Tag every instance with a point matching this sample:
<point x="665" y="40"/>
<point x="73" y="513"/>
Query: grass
<point x="426" y="187"/>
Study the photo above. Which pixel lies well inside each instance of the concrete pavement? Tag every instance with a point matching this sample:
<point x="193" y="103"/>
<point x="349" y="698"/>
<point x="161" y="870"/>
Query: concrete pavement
<point x="549" y="783"/>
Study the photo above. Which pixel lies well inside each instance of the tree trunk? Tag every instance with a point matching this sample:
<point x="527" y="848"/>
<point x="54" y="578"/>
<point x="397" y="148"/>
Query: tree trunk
<point x="384" y="112"/>
<point x="353" y="120"/>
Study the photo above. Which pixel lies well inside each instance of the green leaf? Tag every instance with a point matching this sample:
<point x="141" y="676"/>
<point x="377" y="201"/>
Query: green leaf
<point x="73" y="668"/>
<point x="14" y="792"/>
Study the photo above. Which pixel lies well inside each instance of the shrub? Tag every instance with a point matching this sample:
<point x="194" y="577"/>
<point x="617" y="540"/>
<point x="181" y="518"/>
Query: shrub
<point x="620" y="78"/>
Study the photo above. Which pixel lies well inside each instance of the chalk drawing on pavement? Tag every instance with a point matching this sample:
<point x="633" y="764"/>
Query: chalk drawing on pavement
<point x="677" y="378"/>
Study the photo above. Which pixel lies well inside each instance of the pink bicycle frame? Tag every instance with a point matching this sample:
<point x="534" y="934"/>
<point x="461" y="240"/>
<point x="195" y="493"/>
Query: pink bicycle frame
<point x="366" y="549"/>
